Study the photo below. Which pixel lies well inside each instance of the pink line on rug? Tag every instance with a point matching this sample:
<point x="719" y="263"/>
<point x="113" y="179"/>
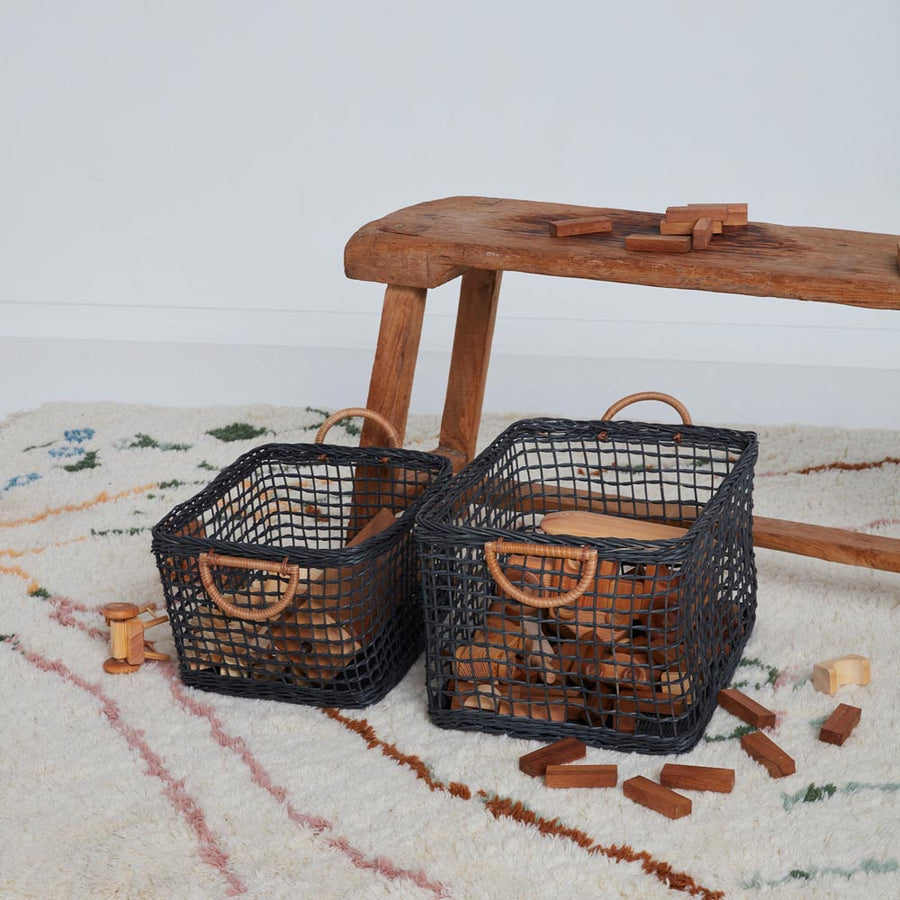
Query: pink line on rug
<point x="211" y="852"/>
<point x="318" y="825"/>
<point x="63" y="609"/>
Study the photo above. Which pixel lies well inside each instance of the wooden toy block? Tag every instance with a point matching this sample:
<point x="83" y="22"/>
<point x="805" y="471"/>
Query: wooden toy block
<point x="831" y="674"/>
<point x="659" y="243"/>
<point x="737" y="214"/>
<point x="743" y="707"/>
<point x="667" y="227"/>
<point x="702" y="233"/>
<point x="767" y="753"/>
<point x="585" y="225"/>
<point x="839" y="725"/>
<point x="694" y="211"/>
<point x="734" y="213"/>
<point x="581" y="776"/>
<point x="697" y="778"/>
<point x="656" y="797"/>
<point x="564" y="751"/>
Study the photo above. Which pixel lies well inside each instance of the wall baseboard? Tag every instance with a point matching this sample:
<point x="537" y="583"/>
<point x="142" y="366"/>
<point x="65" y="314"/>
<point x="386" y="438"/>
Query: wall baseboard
<point x="35" y="371"/>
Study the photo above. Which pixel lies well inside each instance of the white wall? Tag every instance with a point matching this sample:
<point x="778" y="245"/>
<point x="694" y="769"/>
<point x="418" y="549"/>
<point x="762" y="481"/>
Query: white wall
<point x="178" y="181"/>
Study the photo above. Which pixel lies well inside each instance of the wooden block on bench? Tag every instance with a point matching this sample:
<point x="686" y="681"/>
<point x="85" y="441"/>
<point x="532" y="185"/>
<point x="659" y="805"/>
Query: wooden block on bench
<point x="839" y="725"/>
<point x="702" y="233"/>
<point x="697" y="778"/>
<point x="743" y="707"/>
<point x="767" y="753"/>
<point x="667" y="227"/>
<point x="583" y="225"/>
<point x="656" y="797"/>
<point x="659" y="243"/>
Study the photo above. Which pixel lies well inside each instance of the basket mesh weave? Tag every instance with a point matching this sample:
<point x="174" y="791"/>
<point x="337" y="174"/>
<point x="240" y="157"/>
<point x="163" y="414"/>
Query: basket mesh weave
<point x="283" y="513"/>
<point x="634" y="663"/>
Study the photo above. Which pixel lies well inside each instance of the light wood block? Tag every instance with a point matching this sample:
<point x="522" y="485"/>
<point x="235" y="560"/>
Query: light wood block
<point x="831" y="674"/>
<point x="767" y="753"/>
<point x="656" y="797"/>
<point x="558" y="753"/>
<point x="840" y="723"/>
<point x="659" y="243"/>
<point x="740" y="705"/>
<point x="586" y="225"/>
<point x="697" y="778"/>
<point x="581" y="776"/>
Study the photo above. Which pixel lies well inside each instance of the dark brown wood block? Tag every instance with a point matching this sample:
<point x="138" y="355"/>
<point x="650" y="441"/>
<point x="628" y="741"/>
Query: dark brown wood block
<point x="697" y="778"/>
<point x="659" y="243"/>
<point x="581" y="776"/>
<point x="839" y="725"/>
<point x="586" y="225"/>
<point x="566" y="750"/>
<point x="743" y="707"/>
<point x="767" y="753"/>
<point x="656" y="797"/>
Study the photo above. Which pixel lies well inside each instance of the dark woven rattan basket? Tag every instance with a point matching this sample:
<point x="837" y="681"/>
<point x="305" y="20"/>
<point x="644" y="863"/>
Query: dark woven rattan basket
<point x="265" y="595"/>
<point x="620" y="642"/>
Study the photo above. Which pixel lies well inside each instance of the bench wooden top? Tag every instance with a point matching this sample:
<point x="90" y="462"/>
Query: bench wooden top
<point x="426" y="245"/>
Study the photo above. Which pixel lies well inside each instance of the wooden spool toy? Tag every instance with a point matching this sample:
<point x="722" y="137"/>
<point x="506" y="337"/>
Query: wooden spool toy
<point x="128" y="648"/>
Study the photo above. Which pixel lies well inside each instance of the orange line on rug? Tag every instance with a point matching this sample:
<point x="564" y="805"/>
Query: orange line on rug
<point x="21" y="573"/>
<point x="13" y="554"/>
<point x="838" y="466"/>
<point x="102" y="497"/>
<point x="367" y="733"/>
<point x="501" y="807"/>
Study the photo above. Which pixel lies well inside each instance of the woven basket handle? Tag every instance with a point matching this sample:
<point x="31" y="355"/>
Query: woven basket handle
<point x="586" y="555"/>
<point x="257" y="614"/>
<point x="352" y="411"/>
<point x="676" y="404"/>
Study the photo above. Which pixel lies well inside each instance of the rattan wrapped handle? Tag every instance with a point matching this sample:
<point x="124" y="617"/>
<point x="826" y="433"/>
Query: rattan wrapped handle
<point x="675" y="403"/>
<point x="586" y="555"/>
<point x="352" y="411"/>
<point x="259" y="613"/>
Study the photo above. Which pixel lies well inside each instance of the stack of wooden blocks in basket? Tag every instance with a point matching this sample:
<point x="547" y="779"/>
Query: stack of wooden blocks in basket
<point x="580" y="583"/>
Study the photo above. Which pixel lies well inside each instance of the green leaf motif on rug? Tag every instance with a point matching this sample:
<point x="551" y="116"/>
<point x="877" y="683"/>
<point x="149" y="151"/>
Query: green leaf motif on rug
<point x="867" y="867"/>
<point x="40" y="592"/>
<point x="88" y="461"/>
<point x="237" y="431"/>
<point x="815" y="793"/>
<point x="205" y="465"/>
<point x="144" y="441"/>
<point x="345" y="424"/>
<point x="740" y="731"/>
<point x="772" y="674"/>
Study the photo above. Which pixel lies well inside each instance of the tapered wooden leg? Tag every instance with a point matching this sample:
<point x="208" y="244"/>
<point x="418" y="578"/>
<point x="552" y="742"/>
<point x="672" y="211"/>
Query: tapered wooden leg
<point x="478" y="296"/>
<point x="390" y="386"/>
<point x="390" y="389"/>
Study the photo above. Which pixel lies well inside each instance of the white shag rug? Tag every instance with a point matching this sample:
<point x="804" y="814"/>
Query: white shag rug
<point x="135" y="786"/>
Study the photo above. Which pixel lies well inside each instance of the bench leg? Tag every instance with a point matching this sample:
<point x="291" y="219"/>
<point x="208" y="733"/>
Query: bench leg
<point x="390" y="386"/>
<point x="478" y="296"/>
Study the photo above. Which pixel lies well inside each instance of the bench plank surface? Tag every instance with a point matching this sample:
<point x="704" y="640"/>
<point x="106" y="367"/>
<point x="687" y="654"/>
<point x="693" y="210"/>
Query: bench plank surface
<point x="431" y="243"/>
